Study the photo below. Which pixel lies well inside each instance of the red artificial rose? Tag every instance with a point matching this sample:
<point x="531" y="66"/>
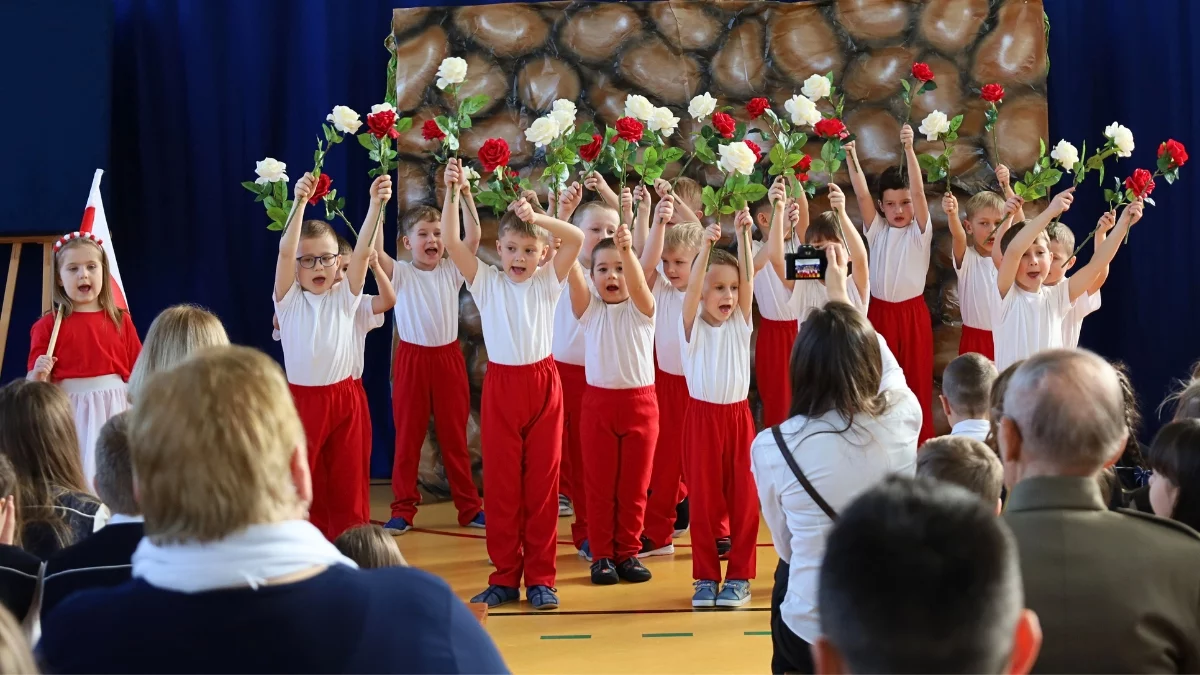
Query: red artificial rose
<point x="831" y="128"/>
<point x="1175" y="150"/>
<point x="591" y="151"/>
<point x="802" y="177"/>
<point x="803" y="166"/>
<point x="755" y="149"/>
<point x="992" y="93"/>
<point x="1141" y="183"/>
<point x="322" y="189"/>
<point x="756" y="107"/>
<point x="494" y="153"/>
<point x="430" y="131"/>
<point x="922" y="72"/>
<point x="724" y="124"/>
<point x="382" y="124"/>
<point x="629" y="129"/>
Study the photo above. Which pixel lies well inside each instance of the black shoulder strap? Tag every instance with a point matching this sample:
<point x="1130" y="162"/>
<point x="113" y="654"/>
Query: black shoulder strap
<point x="791" y="461"/>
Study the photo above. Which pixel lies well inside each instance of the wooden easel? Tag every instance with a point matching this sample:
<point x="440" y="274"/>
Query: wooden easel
<point x="10" y="284"/>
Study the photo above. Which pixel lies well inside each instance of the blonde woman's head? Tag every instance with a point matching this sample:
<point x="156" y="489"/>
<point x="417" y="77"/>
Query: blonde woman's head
<point x="176" y="333"/>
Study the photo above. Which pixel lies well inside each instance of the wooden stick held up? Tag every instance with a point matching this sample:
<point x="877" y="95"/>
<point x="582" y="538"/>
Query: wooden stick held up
<point x="54" y="334"/>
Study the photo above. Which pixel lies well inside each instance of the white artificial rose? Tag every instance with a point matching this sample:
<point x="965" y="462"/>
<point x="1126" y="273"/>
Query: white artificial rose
<point x="344" y="119"/>
<point x="1121" y="137"/>
<point x="638" y="107"/>
<point x="270" y="170"/>
<point x="816" y="87"/>
<point x="737" y="158"/>
<point x="542" y="131"/>
<point x="381" y="107"/>
<point x="564" y="105"/>
<point x="702" y="106"/>
<point x="564" y="120"/>
<point x="663" y="121"/>
<point x="471" y="175"/>
<point x="934" y="125"/>
<point x="1065" y="154"/>
<point x="803" y="110"/>
<point x="452" y="71"/>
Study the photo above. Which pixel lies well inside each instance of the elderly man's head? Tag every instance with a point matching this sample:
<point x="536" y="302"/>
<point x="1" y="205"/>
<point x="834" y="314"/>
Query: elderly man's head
<point x="1064" y="415"/>
<point x="217" y="446"/>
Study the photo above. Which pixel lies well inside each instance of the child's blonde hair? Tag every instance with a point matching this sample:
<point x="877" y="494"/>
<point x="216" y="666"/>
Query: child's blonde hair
<point x="689" y="191"/>
<point x="15" y="653"/>
<point x="421" y="213"/>
<point x="588" y="207"/>
<point x="683" y="236"/>
<point x="371" y="547"/>
<point x="983" y="201"/>
<point x="509" y="222"/>
<point x="212" y="442"/>
<point x="1058" y="232"/>
<point x="318" y="229"/>
<point x="176" y="332"/>
<point x="107" y="303"/>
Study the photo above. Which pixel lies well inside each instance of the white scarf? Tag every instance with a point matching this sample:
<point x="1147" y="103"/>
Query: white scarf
<point x="249" y="557"/>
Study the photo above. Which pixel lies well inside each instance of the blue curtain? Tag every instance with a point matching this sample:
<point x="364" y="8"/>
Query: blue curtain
<point x="1133" y="62"/>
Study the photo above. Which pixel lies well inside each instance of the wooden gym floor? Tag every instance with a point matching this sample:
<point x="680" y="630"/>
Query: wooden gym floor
<point x="640" y="628"/>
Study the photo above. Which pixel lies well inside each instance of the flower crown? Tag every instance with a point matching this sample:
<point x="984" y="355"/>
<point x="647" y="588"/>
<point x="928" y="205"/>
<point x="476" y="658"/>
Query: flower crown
<point x="77" y="235"/>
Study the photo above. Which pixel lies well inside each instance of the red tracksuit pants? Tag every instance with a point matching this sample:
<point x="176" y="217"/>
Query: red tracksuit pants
<point x="521" y="430"/>
<point x="976" y="340"/>
<point x="332" y="417"/>
<point x="909" y="333"/>
<point x="619" y="429"/>
<point x="717" y="439"/>
<point x="431" y="380"/>
<point x="572" y="482"/>
<point x="367" y="438"/>
<point x="665" y="490"/>
<point x="772" y="368"/>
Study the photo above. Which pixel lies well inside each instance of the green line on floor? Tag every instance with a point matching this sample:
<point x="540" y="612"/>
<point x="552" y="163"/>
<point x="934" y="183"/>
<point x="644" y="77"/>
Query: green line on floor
<point x="758" y="632"/>
<point x="566" y="637"/>
<point x="665" y="635"/>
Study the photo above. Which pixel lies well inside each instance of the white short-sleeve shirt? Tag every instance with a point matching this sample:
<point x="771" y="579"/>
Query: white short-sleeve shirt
<point x="899" y="259"/>
<point x="317" y="332"/>
<point x="568" y="345"/>
<point x="811" y="294"/>
<point x="668" y="312"/>
<point x="716" y="361"/>
<point x="977" y="292"/>
<point x="619" y="345"/>
<point x="365" y="321"/>
<point x="1084" y="305"/>
<point x="773" y="298"/>
<point x="1027" y="323"/>
<point x="517" y="318"/>
<point x="427" y="303"/>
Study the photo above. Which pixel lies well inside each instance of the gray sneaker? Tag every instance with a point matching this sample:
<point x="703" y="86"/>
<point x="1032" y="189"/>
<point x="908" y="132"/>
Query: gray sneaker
<point x="735" y="593"/>
<point x="565" y="510"/>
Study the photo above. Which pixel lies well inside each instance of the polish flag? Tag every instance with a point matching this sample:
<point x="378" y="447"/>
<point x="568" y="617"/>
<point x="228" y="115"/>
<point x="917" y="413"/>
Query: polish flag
<point x="95" y="222"/>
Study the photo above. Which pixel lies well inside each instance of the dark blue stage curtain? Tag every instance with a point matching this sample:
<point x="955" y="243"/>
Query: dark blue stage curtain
<point x="1133" y="62"/>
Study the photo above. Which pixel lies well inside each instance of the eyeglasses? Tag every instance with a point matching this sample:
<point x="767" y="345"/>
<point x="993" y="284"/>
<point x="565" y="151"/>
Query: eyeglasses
<point x="308" y="262"/>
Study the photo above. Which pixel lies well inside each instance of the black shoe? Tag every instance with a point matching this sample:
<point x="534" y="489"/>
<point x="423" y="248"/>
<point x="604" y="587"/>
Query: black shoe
<point x="604" y="573"/>
<point x="724" y="544"/>
<point x="683" y="517"/>
<point x="632" y="570"/>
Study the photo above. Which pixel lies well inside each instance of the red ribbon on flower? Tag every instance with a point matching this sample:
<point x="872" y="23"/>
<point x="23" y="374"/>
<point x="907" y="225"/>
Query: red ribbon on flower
<point x="802" y="167"/>
<point x="430" y="131"/>
<point x="756" y="107"/>
<point x="755" y="149"/>
<point x="494" y="153"/>
<point x="321" y="189"/>
<point x="383" y="123"/>
<point x="992" y="93"/>
<point x="724" y="124"/>
<point x="591" y="151"/>
<point x="1175" y="151"/>
<point x="1141" y="183"/>
<point x="922" y="72"/>
<point x="629" y="129"/>
<point x="831" y="128"/>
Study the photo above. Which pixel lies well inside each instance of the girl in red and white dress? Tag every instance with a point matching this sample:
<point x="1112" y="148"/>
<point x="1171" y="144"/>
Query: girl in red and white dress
<point x="96" y="343"/>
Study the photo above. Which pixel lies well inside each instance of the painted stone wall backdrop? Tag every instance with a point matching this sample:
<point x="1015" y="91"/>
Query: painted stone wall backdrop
<point x="524" y="56"/>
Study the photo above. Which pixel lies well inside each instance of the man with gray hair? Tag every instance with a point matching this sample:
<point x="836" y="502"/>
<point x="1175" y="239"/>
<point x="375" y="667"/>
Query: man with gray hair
<point x="1115" y="591"/>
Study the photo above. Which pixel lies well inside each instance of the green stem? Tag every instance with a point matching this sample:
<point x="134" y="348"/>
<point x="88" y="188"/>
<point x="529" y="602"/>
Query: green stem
<point x="1080" y="247"/>
<point x="454" y="111"/>
<point x="995" y="141"/>
<point x="681" y="171"/>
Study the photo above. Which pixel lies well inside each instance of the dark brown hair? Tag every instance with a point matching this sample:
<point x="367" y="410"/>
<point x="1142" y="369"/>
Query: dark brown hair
<point x="602" y="245"/>
<point x="1014" y="231"/>
<point x="836" y="365"/>
<point x="371" y="547"/>
<point x="421" y="213"/>
<point x="1175" y="455"/>
<point x="892" y="178"/>
<point x="825" y="227"/>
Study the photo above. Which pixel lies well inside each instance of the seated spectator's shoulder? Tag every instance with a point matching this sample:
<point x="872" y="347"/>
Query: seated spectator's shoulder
<point x="1171" y="529"/>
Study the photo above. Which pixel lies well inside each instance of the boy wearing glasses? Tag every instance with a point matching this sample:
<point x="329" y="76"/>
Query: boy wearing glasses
<point x="316" y="326"/>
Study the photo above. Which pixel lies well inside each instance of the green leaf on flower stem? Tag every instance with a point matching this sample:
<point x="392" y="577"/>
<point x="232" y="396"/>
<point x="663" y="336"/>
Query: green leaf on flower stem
<point x="672" y="155"/>
<point x="990" y="117"/>
<point x="726" y="209"/>
<point x="251" y="186"/>
<point x="1149" y="201"/>
<point x="1109" y="195"/>
<point x="580" y="138"/>
<point x="275" y="227"/>
<point x="261" y="198"/>
<point x="1100" y="181"/>
<point x="464" y="122"/>
<point x="1019" y="188"/>
<point x="708" y="198"/>
<point x="778" y="154"/>
<point x="1037" y="169"/>
<point x="776" y="169"/>
<point x="951" y="137"/>
<point x="277" y="214"/>
<point x="793" y="159"/>
<point x="1041" y="146"/>
<point x="1052" y="176"/>
<point x="1170" y="176"/>
<point x="739" y="132"/>
<point x="653" y="175"/>
<point x="928" y="87"/>
<point x="473" y="104"/>
<point x="956" y="122"/>
<point x="834" y="165"/>
<point x="829" y="151"/>
<point x="907" y="85"/>
<point x="367" y="141"/>
<point x="341" y="203"/>
<point x="267" y="201"/>
<point x="754" y="192"/>
<point x="818" y="166"/>
<point x="706" y="132"/>
<point x="927" y="162"/>
<point x="649" y="157"/>
<point x="328" y="133"/>
<point x="609" y="133"/>
<point x="404" y="124"/>
<point x="1128" y="197"/>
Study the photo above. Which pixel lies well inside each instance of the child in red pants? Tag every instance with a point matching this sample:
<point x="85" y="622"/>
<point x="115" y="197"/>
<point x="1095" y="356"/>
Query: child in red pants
<point x="620" y="411"/>
<point x="316" y="326"/>
<point x="429" y="374"/>
<point x="521" y="421"/>
<point x="718" y="427"/>
<point x="900" y="238"/>
<point x="777" y="318"/>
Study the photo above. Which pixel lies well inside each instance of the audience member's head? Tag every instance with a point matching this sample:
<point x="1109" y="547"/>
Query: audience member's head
<point x="371" y="547"/>
<point x="836" y="364"/>
<point x="1063" y="416"/>
<point x="114" y="469"/>
<point x="1186" y="401"/>
<point x="967" y="387"/>
<point x="1175" y="485"/>
<point x="964" y="462"/>
<point x="175" y="333"/>
<point x="948" y="599"/>
<point x="217" y="446"/>
<point x="1133" y="412"/>
<point x="16" y="656"/>
<point x="37" y="433"/>
<point x="999" y="388"/>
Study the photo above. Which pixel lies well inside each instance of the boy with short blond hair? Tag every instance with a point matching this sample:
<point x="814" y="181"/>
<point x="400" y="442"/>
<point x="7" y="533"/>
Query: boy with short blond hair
<point x="965" y="462"/>
<point x="972" y="257"/>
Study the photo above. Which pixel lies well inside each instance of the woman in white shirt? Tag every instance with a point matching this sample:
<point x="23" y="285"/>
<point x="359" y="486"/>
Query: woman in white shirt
<point x="853" y="421"/>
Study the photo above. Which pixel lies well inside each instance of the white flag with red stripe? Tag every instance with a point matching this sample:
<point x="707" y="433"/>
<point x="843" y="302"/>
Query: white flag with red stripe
<point x="95" y="222"/>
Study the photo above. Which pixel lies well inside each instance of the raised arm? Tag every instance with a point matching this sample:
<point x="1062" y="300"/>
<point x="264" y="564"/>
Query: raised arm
<point x="741" y="225"/>
<point x="858" y="180"/>
<point x="569" y="236"/>
<point x="356" y="276"/>
<point x="1011" y="261"/>
<point x="686" y="214"/>
<point x="641" y="225"/>
<point x="460" y="254"/>
<point x="957" y="234"/>
<point x="916" y="181"/>
<point x="385" y="261"/>
<point x="1003" y="177"/>
<point x="778" y="197"/>
<point x="1094" y="272"/>
<point x="774" y="248"/>
<point x="595" y="182"/>
<point x="387" y="295"/>
<point x="568" y="201"/>
<point x="474" y="231"/>
<point x="695" y="288"/>
<point x="653" y="250"/>
<point x="289" y="243"/>
<point x="639" y="290"/>
<point x="581" y="295"/>
<point x="1011" y="208"/>
<point x="860" y="271"/>
<point x="835" y="274"/>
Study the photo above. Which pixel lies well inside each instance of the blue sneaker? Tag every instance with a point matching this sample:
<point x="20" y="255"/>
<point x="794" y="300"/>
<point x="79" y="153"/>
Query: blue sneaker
<point x="495" y="596"/>
<point x="585" y="551"/>
<point x="706" y="593"/>
<point x="397" y="526"/>
<point x="542" y="597"/>
<point x="735" y="593"/>
<point x="478" y="521"/>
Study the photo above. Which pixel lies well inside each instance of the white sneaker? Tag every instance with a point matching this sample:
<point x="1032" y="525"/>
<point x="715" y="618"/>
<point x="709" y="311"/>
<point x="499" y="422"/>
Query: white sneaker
<point x="679" y="533"/>
<point x="669" y="549"/>
<point x="565" y="510"/>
